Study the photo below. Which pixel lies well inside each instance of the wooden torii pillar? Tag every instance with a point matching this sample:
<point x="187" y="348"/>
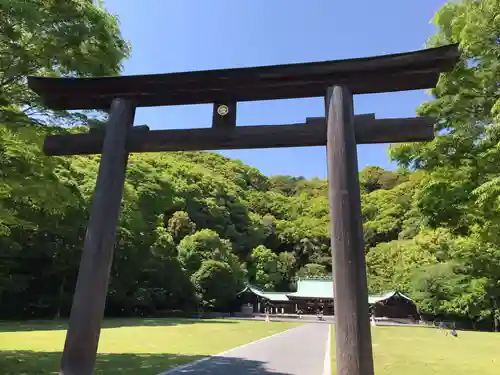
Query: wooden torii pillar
<point x="337" y="81"/>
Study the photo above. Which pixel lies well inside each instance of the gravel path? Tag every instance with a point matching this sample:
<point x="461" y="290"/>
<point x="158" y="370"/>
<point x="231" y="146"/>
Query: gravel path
<point x="304" y="350"/>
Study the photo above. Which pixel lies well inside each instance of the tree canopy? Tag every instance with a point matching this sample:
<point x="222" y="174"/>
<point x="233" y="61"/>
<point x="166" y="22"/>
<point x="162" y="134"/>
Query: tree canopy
<point x="196" y="226"/>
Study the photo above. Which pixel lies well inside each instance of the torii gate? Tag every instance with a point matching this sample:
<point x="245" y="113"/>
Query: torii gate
<point x="336" y="81"/>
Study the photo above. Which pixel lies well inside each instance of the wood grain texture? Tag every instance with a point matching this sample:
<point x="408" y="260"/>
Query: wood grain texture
<point x="90" y="294"/>
<point x="311" y="133"/>
<point x="404" y="71"/>
<point x="352" y="328"/>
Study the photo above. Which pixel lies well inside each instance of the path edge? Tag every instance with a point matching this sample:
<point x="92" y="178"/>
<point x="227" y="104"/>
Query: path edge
<point x="190" y="364"/>
<point x="327" y="364"/>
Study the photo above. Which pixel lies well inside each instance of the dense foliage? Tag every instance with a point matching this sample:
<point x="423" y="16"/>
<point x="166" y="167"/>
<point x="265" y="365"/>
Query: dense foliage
<point x="196" y="226"/>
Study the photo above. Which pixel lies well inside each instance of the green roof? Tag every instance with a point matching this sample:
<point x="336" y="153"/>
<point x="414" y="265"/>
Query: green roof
<point x="322" y="289"/>
<point x="271" y="296"/>
<point x="374" y="298"/>
<point x="315" y="289"/>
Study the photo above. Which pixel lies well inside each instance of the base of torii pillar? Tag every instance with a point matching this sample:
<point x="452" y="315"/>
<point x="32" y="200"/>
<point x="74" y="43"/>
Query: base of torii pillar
<point x="89" y="300"/>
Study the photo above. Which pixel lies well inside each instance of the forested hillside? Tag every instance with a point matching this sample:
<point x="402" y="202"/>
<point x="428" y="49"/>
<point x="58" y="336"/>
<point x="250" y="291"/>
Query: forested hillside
<point x="196" y="226"/>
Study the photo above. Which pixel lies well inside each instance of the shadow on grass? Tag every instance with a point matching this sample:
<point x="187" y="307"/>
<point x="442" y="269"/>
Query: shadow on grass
<point x="38" y="363"/>
<point x="55" y="325"/>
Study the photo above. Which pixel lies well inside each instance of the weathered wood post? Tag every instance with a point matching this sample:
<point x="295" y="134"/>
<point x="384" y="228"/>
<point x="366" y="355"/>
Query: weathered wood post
<point x="91" y="288"/>
<point x="352" y="327"/>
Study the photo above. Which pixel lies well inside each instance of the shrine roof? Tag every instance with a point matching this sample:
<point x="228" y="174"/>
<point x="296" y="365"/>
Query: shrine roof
<point x="316" y="289"/>
<point x="375" y="298"/>
<point x="312" y="288"/>
<point x="271" y="296"/>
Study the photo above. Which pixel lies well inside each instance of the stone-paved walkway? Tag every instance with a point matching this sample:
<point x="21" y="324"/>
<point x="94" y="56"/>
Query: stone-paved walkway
<point x="304" y="350"/>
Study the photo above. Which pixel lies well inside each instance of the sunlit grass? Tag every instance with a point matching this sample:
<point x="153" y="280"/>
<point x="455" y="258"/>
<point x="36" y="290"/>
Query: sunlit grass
<point x="129" y="346"/>
<point x="419" y="351"/>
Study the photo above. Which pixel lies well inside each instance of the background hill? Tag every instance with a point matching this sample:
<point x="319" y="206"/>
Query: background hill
<point x="195" y="226"/>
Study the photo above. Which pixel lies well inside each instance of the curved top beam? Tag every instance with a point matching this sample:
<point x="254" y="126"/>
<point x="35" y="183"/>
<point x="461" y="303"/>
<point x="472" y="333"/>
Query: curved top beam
<point x="397" y="72"/>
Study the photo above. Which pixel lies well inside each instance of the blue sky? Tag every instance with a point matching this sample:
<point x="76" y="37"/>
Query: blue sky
<point x="182" y="35"/>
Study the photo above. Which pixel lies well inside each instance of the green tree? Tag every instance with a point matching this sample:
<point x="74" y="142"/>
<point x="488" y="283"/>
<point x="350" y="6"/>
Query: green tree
<point x="387" y="213"/>
<point x="204" y="245"/>
<point x="180" y="225"/>
<point x="286" y="265"/>
<point x="264" y="264"/>
<point x="215" y="285"/>
<point x="374" y="178"/>
<point x="467" y="98"/>
<point x="164" y="245"/>
<point x="191" y="223"/>
<point x="436" y="286"/>
<point x="312" y="270"/>
<point x="55" y="38"/>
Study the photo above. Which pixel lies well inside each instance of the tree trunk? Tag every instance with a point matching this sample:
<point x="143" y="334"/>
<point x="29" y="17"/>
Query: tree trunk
<point x="496" y="315"/>
<point x="60" y="298"/>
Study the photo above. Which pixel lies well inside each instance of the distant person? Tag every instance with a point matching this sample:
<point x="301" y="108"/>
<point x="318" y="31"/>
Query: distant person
<point x="299" y="313"/>
<point x="320" y="312"/>
<point x="267" y="311"/>
<point x="442" y="326"/>
<point x="453" y="331"/>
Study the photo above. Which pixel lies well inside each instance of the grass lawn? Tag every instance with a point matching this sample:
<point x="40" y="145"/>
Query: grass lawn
<point x="143" y="347"/>
<point x="417" y="351"/>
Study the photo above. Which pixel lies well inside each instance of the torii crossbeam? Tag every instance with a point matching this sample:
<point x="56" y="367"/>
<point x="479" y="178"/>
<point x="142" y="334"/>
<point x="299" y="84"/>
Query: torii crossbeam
<point x="340" y="131"/>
